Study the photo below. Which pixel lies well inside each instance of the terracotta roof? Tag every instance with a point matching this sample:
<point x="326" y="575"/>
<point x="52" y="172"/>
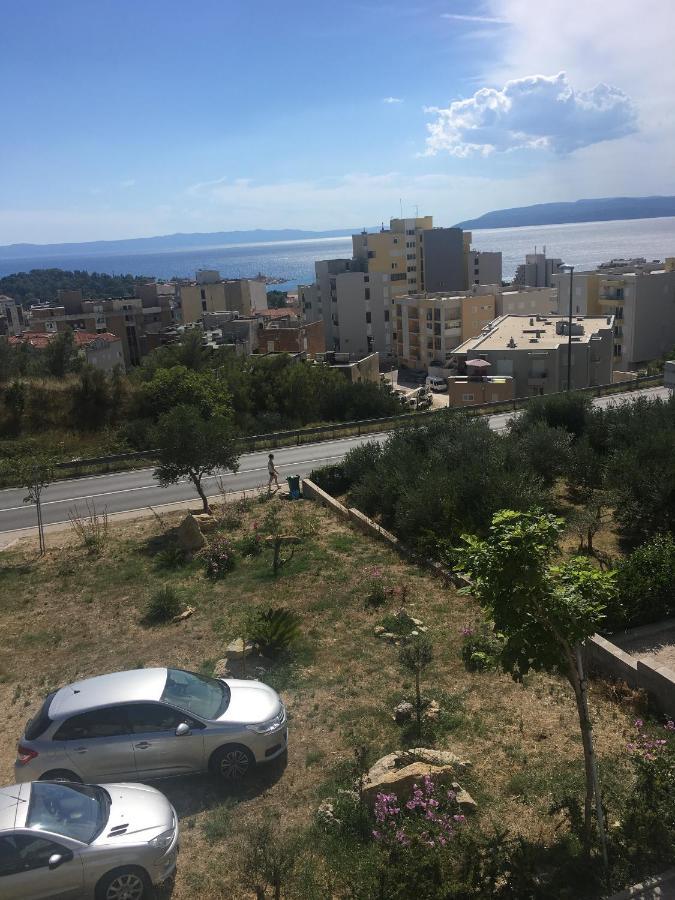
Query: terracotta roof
<point x="40" y="339"/>
<point x="82" y="338"/>
<point x="275" y="313"/>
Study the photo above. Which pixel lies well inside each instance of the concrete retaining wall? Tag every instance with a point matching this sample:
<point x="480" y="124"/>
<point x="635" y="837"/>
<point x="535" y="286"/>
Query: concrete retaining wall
<point x="311" y="491"/>
<point x="658" y="681"/>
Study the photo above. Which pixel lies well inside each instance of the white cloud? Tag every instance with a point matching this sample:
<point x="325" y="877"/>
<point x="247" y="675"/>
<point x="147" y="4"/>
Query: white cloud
<point x="128" y="182"/>
<point x="537" y="112"/>
<point x="392" y="100"/>
<point x="487" y="20"/>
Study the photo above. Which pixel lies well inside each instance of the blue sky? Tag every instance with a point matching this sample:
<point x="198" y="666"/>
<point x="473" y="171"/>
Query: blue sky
<point x="135" y="118"/>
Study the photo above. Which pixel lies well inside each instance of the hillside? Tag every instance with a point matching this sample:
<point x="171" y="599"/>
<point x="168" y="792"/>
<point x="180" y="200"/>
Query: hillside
<point x="167" y="242"/>
<point x="598" y="210"/>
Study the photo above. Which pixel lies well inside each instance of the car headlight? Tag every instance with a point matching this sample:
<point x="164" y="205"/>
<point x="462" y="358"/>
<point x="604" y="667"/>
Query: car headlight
<point x="271" y="725"/>
<point x="162" y="841"/>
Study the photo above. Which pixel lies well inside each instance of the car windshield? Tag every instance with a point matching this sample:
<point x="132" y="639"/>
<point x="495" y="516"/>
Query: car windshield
<point x="205" y="697"/>
<point x="78" y="811"/>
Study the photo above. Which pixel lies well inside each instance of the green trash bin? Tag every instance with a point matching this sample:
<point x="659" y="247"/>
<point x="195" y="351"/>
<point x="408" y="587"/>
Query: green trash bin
<point x="294" y="486"/>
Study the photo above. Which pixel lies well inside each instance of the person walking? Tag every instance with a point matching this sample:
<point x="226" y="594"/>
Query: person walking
<point x="271" y="468"/>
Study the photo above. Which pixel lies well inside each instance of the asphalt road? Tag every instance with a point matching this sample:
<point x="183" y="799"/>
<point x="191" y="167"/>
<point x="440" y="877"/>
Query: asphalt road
<point x="126" y="491"/>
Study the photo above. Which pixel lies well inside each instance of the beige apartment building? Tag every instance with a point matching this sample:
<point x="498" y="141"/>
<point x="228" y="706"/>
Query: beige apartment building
<point x="527" y="301"/>
<point x="640" y="296"/>
<point x="395" y="252"/>
<point x="242" y="295"/>
<point x="533" y="351"/>
<point x="468" y="390"/>
<point x="429" y="326"/>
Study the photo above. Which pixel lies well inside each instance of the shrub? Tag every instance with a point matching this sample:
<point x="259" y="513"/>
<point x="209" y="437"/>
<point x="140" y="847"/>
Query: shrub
<point x="91" y="529"/>
<point x="251" y="544"/>
<point x="376" y="593"/>
<point x="273" y="630"/>
<point x="218" y="557"/>
<point x="645" y="582"/>
<point x="481" y="648"/>
<point x="331" y="479"/>
<point x="430" y="818"/>
<point x="569" y="411"/>
<point x="400" y="624"/>
<point x="171" y="557"/>
<point x="163" y="606"/>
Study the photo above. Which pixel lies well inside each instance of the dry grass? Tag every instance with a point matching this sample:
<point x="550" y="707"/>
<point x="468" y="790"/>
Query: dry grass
<point x="69" y="616"/>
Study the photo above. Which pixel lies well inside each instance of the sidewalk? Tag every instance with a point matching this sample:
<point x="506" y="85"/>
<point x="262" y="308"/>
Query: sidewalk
<point x="11" y="538"/>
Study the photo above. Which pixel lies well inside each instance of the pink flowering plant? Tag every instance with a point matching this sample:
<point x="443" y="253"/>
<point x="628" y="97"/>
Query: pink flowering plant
<point x="430" y="818"/>
<point x="376" y="591"/>
<point x="648" y="746"/>
<point x="218" y="557"/>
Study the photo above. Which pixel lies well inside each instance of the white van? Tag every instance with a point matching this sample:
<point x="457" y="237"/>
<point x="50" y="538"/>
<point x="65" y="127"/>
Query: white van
<point x="436" y="384"/>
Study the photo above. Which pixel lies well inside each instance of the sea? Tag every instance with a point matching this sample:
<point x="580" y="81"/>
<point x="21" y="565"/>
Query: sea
<point x="290" y="263"/>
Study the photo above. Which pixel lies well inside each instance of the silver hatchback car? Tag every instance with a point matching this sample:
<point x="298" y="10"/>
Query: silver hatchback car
<point x="152" y="723"/>
<point x="100" y="842"/>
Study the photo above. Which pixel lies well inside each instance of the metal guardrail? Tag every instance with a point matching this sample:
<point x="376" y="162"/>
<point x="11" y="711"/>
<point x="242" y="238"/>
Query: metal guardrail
<point x="361" y="427"/>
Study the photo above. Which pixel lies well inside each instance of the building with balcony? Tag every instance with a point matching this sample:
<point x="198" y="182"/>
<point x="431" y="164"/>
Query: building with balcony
<point x="210" y="293"/>
<point x="428" y="327"/>
<point x="11" y="316"/>
<point x="534" y="352"/>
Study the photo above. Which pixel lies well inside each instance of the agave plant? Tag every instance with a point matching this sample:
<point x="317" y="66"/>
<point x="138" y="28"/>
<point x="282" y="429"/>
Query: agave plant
<point x="274" y="629"/>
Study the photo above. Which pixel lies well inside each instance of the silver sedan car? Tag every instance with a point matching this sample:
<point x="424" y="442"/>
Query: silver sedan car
<point x="152" y="723"/>
<point x="104" y="842"/>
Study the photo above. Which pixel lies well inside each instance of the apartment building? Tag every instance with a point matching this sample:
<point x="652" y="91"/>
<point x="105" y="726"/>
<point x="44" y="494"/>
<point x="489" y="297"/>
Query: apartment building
<point x="429" y="326"/>
<point x="396" y="252"/>
<point x="292" y="337"/>
<point x="534" y="352"/>
<point x="527" y="301"/>
<point x="354" y="305"/>
<point x="11" y="316"/>
<point x="537" y="270"/>
<point x="643" y="306"/>
<point x="138" y="323"/>
<point x="210" y="293"/>
<point x="468" y="390"/>
<point x="103" y="351"/>
<point x="481" y="266"/>
<point x="356" y="369"/>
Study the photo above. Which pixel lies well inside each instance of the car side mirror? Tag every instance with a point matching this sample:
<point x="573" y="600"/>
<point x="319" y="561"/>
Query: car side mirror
<point x="182" y="729"/>
<point x="57" y="859"/>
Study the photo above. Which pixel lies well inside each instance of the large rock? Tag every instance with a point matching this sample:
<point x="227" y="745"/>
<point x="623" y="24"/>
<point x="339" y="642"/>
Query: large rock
<point x="403" y="712"/>
<point x="189" y="535"/>
<point x="205" y="521"/>
<point x="238" y="649"/>
<point x="402" y="781"/>
<point x="401" y="758"/>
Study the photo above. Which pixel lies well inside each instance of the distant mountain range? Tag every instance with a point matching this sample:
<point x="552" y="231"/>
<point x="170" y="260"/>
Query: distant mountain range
<point x="604" y="209"/>
<point x="168" y="242"/>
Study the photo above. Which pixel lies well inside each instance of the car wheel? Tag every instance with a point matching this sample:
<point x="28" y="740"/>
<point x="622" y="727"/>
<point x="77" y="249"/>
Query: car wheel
<point x="232" y="762"/>
<point x="61" y="775"/>
<point x="124" y="884"/>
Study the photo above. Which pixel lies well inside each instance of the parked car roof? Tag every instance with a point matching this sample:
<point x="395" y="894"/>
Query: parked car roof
<point x="10" y="797"/>
<point x="117" y="687"/>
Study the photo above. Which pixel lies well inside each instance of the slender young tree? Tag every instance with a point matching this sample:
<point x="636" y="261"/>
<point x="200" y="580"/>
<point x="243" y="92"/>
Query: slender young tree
<point x="34" y="473"/>
<point x="416" y="654"/>
<point x="544" y="612"/>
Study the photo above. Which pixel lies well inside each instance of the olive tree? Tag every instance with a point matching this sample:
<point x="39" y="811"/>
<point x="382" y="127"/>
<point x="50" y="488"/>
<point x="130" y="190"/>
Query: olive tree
<point x="544" y="612"/>
<point x="189" y="445"/>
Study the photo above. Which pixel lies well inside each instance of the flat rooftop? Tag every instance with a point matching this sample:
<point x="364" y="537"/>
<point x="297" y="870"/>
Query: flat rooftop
<point x="540" y="335"/>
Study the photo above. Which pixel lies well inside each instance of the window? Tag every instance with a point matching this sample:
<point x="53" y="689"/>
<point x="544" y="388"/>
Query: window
<point x="99" y="723"/>
<point x="467" y="398"/>
<point x="386" y="315"/>
<point x="367" y="293"/>
<point x="437" y="315"/>
<point x="369" y="318"/>
<point x="371" y="254"/>
<point x="155" y="718"/>
<point x="366" y="279"/>
<point x="202" y="292"/>
<point x="437" y="328"/>
<point x="24" y="852"/>
<point x="400" y="276"/>
<point x="204" y="305"/>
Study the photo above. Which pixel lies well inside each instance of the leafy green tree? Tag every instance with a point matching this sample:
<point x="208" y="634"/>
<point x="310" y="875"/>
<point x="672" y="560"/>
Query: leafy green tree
<point x="44" y="285"/>
<point x="14" y="400"/>
<point x="543" y="612"/>
<point x="546" y="449"/>
<point x="61" y="356"/>
<point x="645" y="581"/>
<point x="569" y="411"/>
<point x="92" y="400"/>
<point x="179" y="385"/>
<point x="416" y="655"/>
<point x="190" y="445"/>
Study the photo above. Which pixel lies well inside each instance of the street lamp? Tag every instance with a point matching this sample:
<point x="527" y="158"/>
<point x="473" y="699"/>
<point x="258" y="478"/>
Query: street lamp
<point x="565" y="267"/>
